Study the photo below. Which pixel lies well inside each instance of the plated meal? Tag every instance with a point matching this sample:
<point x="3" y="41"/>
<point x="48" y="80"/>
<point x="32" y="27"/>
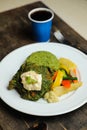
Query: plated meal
<point x="44" y="79"/>
<point x="43" y="75"/>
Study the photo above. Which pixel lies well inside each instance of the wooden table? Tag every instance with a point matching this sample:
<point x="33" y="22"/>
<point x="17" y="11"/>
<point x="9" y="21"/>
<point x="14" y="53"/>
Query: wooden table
<point x="15" y="31"/>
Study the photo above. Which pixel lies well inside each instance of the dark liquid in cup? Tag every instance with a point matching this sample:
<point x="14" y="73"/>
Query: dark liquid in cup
<point x="41" y="15"/>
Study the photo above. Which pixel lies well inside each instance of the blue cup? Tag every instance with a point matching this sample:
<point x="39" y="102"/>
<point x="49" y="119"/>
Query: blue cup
<point x="41" y="19"/>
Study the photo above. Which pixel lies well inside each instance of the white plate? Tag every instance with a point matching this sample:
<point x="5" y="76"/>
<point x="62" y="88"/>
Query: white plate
<point x="11" y="63"/>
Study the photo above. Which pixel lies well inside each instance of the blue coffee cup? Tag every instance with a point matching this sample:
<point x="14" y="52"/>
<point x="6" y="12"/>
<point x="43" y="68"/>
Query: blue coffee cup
<point x="41" y="20"/>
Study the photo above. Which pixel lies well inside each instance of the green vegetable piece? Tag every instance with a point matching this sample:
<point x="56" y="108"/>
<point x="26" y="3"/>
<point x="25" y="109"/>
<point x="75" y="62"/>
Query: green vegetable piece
<point x="67" y="76"/>
<point x="70" y="78"/>
<point x="64" y="73"/>
<point x="29" y="80"/>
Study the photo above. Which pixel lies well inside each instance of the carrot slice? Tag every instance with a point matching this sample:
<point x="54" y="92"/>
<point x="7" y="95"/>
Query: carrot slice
<point x="66" y="83"/>
<point x="54" y="76"/>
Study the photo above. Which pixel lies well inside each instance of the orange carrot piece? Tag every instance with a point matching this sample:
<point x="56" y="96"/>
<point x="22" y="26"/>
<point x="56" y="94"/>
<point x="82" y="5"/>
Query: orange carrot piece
<point x="54" y="76"/>
<point x="75" y="81"/>
<point x="66" y="83"/>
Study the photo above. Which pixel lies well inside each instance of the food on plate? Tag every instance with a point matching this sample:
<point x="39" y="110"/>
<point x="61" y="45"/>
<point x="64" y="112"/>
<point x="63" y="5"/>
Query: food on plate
<point x="51" y="96"/>
<point x="44" y="58"/>
<point x="43" y="75"/>
<point x="37" y="69"/>
<point x="61" y="90"/>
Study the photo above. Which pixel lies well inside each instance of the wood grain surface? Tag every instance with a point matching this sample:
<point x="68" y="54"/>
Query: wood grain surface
<point x="15" y="31"/>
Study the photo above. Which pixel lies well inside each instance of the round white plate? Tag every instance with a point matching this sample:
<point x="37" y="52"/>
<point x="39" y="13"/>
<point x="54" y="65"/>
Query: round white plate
<point x="69" y="102"/>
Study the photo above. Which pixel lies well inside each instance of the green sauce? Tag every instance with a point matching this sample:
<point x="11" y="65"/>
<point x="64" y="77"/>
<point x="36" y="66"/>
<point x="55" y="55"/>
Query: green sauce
<point x="44" y="58"/>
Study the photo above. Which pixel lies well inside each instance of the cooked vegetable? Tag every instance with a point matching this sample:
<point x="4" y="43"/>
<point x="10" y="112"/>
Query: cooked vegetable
<point x="54" y="76"/>
<point x="66" y="79"/>
<point x="70" y="78"/>
<point x="66" y="83"/>
<point x="65" y="74"/>
<point x="58" y="79"/>
<point x="66" y="64"/>
<point x="61" y="90"/>
<point x="51" y="97"/>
